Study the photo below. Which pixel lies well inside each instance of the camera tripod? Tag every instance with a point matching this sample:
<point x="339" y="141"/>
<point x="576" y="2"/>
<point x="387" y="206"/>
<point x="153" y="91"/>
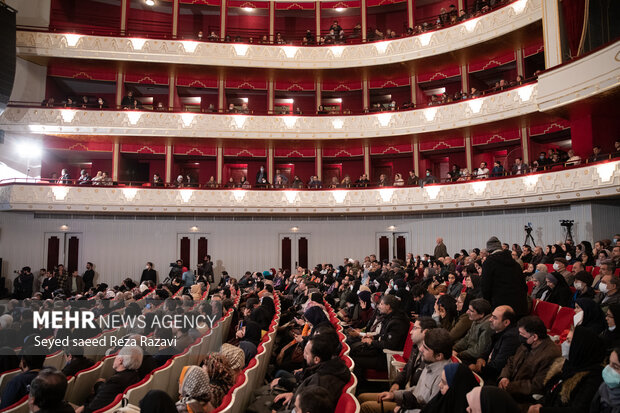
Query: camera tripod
<point x="528" y="235"/>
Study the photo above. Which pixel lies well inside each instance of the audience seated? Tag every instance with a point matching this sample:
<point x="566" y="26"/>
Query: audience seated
<point x="30" y="364"/>
<point x="477" y="342"/>
<point x="47" y="391"/>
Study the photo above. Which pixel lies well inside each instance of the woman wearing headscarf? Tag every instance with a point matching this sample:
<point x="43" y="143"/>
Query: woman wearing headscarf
<point x="454" y="287"/>
<point x="157" y="401"/>
<point x="572" y="383"/>
<point x="583" y="285"/>
<point x="559" y="291"/>
<point x="586" y="256"/>
<point x="473" y="282"/>
<point x="456" y="381"/>
<point x="194" y="391"/>
<point x="607" y="398"/>
<point x="540" y="284"/>
<point x="463" y="323"/>
<point x="221" y="377"/>
<point x="548" y="257"/>
<point x="196" y="292"/>
<point x="611" y="334"/>
<point x="491" y="399"/>
<point x="366" y="311"/>
<point x="445" y="313"/>
<point x="589" y="314"/>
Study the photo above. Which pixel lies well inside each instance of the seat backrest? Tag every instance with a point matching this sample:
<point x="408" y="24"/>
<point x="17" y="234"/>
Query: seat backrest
<point x="161" y="377"/>
<point x="136" y="392"/>
<point x="563" y="321"/>
<point x="6" y="377"/>
<point x="408" y="343"/>
<point x="55" y="360"/>
<point x="84" y="382"/>
<point x="530" y="287"/>
<point x="550" y="268"/>
<point x="70" y="384"/>
<point x="116" y="404"/>
<point x="595" y="271"/>
<point x="20" y="406"/>
<point x="546" y="312"/>
<point x="347" y="404"/>
<point x="107" y="366"/>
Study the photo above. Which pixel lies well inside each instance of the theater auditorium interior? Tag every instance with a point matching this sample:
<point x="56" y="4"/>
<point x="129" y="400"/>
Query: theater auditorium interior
<point x="309" y="205"/>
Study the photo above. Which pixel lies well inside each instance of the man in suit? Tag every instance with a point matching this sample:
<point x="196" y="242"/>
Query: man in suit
<point x="148" y="273"/>
<point x="261" y="177"/>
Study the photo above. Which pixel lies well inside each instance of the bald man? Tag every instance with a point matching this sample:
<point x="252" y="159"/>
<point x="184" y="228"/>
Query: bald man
<point x="505" y="343"/>
<point x="440" y="249"/>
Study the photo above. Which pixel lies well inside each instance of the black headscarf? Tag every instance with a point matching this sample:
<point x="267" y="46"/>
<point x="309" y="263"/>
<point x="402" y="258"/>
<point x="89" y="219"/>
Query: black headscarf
<point x="587" y="352"/>
<point x="315" y="315"/>
<point x="466" y="301"/>
<point x="157" y="401"/>
<point x="454" y="401"/>
<point x="496" y="400"/>
<point x="267" y="302"/>
<point x="593" y="317"/>
<point x="252" y="332"/>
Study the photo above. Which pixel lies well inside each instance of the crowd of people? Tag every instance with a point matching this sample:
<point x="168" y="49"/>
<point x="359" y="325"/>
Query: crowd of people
<point x="475" y="345"/>
<point x="554" y="157"/>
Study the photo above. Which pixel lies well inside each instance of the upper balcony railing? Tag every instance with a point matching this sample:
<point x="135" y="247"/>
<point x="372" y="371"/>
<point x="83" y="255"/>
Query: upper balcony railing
<point x="502" y="105"/>
<point x="590" y="181"/>
<point x="514" y="16"/>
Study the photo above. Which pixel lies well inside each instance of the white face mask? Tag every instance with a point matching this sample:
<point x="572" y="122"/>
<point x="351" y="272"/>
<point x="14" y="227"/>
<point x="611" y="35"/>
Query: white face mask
<point x="603" y="288"/>
<point x="611" y="328"/>
<point x="577" y="318"/>
<point x="568" y="258"/>
<point x="565" y="349"/>
<point x="556" y="266"/>
<point x="578" y="285"/>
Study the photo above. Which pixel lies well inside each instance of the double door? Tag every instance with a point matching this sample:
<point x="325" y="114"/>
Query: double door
<point x="294" y="249"/>
<point x="63" y="248"/>
<point x="392" y="245"/>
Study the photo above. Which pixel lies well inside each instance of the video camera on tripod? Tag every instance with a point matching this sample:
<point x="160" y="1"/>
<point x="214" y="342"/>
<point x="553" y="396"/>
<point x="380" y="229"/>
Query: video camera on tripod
<point x="528" y="234"/>
<point x="568" y="224"/>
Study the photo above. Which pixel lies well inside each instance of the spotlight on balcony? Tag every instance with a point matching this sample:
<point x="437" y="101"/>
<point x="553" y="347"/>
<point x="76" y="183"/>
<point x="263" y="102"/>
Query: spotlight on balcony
<point x="72" y="39"/>
<point x="248" y="9"/>
<point x="150" y="3"/>
<point x="340" y="9"/>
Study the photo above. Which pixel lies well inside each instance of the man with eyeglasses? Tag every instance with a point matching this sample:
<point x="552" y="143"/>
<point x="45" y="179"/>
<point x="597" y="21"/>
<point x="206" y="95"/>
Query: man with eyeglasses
<point x="409" y="375"/>
<point x="525" y="372"/>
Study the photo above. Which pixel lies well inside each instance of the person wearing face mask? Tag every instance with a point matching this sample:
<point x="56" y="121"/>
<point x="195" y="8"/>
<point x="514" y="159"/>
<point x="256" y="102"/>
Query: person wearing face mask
<point x="559" y="266"/>
<point x="611" y="335"/>
<point x="429" y="178"/>
<point x="539" y="279"/>
<point x="148" y="273"/>
<point x="607" y="398"/>
<point x="525" y="372"/>
<point x="609" y="291"/>
<point x="588" y="314"/>
<point x="573" y="379"/>
<point x="583" y="281"/>
<point x="408" y="377"/>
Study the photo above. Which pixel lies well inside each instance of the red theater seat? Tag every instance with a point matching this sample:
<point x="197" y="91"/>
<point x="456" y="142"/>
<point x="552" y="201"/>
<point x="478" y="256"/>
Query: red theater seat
<point x="546" y="312"/>
<point x="563" y="321"/>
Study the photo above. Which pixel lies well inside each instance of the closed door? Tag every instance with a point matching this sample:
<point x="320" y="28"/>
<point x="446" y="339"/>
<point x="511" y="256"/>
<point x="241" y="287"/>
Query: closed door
<point x="63" y="248"/>
<point x="294" y="250"/>
<point x="192" y="248"/>
<point x="391" y="245"/>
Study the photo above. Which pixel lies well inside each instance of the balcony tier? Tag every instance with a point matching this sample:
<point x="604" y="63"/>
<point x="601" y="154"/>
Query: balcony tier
<point x="489" y="26"/>
<point x="571" y="185"/>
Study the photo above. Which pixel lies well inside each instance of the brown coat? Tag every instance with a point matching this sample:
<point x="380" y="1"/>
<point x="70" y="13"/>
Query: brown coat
<point x="527" y="369"/>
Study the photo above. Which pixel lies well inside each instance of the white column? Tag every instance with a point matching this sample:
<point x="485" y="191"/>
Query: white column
<point x="272" y="20"/>
<point x="367" y="159"/>
<point x="364" y="22"/>
<point x="221" y="94"/>
<point x="223" y="19"/>
<point x="219" y="164"/>
<point x="365" y="94"/>
<point x="525" y="144"/>
<point x="270" y="96"/>
<point x="551" y="33"/>
<point x="317" y="19"/>
<point x="168" y="175"/>
<point x="172" y="89"/>
<point x="416" y="156"/>
<point x="175" y="18"/>
<point x="414" y="89"/>
<point x="468" y="151"/>
<point x="270" y="164"/>
<point x="319" y="97"/>
<point x="115" y="160"/>
<point x="520" y="63"/>
<point x="410" y="9"/>
<point x="464" y="79"/>
<point x="319" y="163"/>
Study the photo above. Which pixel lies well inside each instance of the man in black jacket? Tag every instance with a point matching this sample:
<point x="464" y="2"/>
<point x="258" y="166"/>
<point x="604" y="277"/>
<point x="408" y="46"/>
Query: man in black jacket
<point x="505" y="343"/>
<point x="126" y="365"/>
<point x="76" y="361"/>
<point x="17" y="387"/>
<point x="148" y="273"/>
<point x="392" y="336"/>
<point x="89" y="276"/>
<point x="503" y="282"/>
<point x="47" y="391"/>
<point x="323" y="370"/>
<point x="23" y="284"/>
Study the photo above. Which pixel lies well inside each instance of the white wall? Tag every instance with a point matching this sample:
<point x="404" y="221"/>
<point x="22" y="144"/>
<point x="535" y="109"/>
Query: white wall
<point x="29" y="83"/>
<point x="32" y="12"/>
<point x="605" y="219"/>
<point x="119" y="248"/>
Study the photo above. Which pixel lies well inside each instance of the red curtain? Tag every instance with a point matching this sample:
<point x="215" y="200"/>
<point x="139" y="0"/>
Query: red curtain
<point x="574" y="13"/>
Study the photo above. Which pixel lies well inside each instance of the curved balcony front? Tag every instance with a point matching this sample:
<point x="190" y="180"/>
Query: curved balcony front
<point x="510" y="18"/>
<point x="571" y="185"/>
<point x="504" y="105"/>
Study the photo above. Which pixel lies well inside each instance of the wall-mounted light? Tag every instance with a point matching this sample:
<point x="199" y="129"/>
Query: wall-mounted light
<point x="392" y="228"/>
<point x="337" y="123"/>
<point x="67" y="115"/>
<point x="291" y="196"/>
<point x="72" y="39"/>
<point x="186" y="194"/>
<point x="64" y="228"/>
<point x="60" y="192"/>
<point x="130" y="193"/>
<point x="295" y="229"/>
<point x="133" y="117"/>
<point x="193" y="229"/>
<point x="289" y="51"/>
<point x="340" y="9"/>
<point x="339" y="196"/>
<point x="241" y="49"/>
<point x="187" y="119"/>
<point x="248" y="9"/>
<point x="386" y="194"/>
<point x="137" y="43"/>
<point x="432" y="191"/>
<point x="189" y="46"/>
